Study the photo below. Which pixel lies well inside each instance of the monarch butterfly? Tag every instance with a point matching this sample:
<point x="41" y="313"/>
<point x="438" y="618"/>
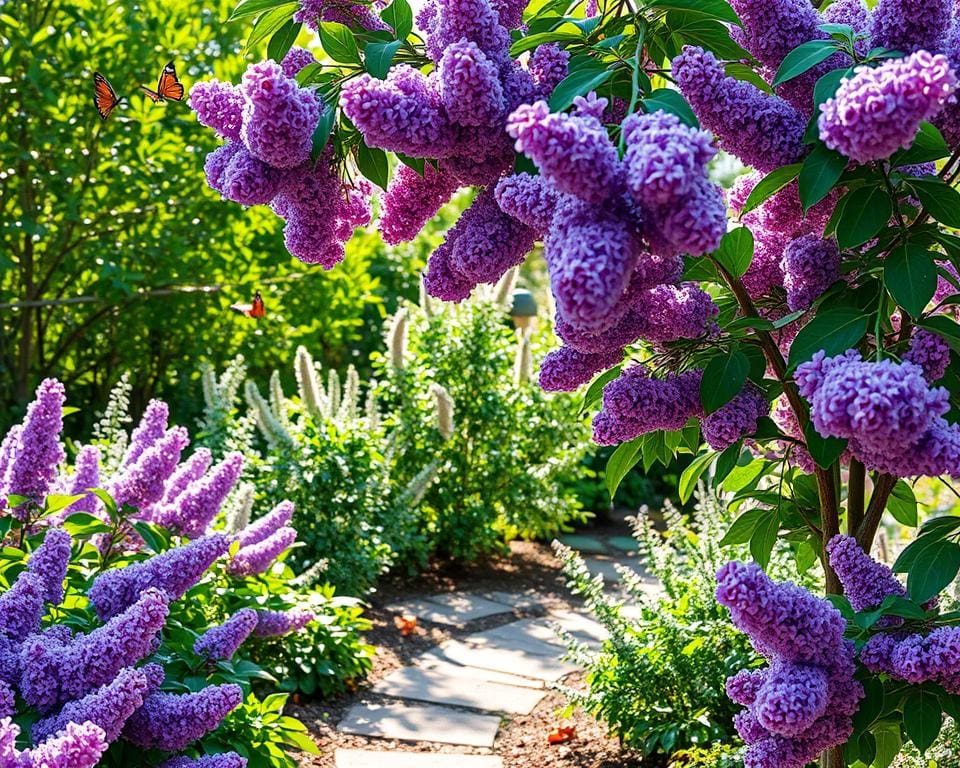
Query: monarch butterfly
<point x="168" y="87"/>
<point x="255" y="310"/>
<point x="104" y="97"/>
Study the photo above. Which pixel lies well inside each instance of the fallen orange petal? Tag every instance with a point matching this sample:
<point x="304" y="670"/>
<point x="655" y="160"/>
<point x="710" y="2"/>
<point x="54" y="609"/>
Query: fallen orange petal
<point x="406" y="624"/>
<point x="562" y="734"/>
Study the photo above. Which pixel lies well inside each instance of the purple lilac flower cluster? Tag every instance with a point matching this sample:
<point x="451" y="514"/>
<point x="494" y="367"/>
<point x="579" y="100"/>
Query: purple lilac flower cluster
<point x="171" y="721"/>
<point x="278" y="623"/>
<point x="191" y="512"/>
<point x="49" y="563"/>
<point x="739" y="417"/>
<point x="930" y="351"/>
<point x="269" y="121"/>
<point x="803" y="703"/>
<point x="887" y="411"/>
<point x="76" y="746"/>
<point x="262" y="542"/>
<point x="866" y="583"/>
<point x="916" y="658"/>
<point x="226" y="760"/>
<point x="222" y="641"/>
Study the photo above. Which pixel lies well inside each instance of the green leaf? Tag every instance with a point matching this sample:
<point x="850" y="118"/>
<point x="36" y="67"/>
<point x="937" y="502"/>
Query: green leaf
<point x="595" y="390"/>
<point x="149" y="536"/>
<point x="373" y="164"/>
<point x="803" y="58"/>
<point x="530" y="42"/>
<point x="727" y="462"/>
<point x="82" y="524"/>
<point x="338" y="43"/>
<point x="56" y="502"/>
<point x="255" y="7"/>
<point x="379" y="56"/>
<point x="323" y="130"/>
<point x="821" y="170"/>
<point x="723" y="378"/>
<point x="736" y="251"/>
<point x="910" y="276"/>
<point x="715" y="9"/>
<point x="834" y="331"/>
<point x="903" y="504"/>
<point x="417" y="163"/>
<point x="935" y="567"/>
<point x="922" y="718"/>
<point x="889" y="745"/>
<point x="805" y="556"/>
<point x="691" y="475"/>
<point x="577" y="84"/>
<point x="670" y="101"/>
<point x="929" y="145"/>
<point x="763" y="540"/>
<point x="769" y="185"/>
<point x="940" y="200"/>
<point x="865" y="212"/>
<point x="824" y="450"/>
<point x="620" y="462"/>
<point x="283" y="40"/>
<point x="269" y="23"/>
<point x="741" y="530"/>
<point x="399" y="16"/>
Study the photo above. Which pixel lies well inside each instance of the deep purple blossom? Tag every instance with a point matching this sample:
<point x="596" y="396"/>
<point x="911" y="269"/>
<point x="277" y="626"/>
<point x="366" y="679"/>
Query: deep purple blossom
<point x="693" y="224"/>
<point x="549" y="64"/>
<point x="266" y="526"/>
<point x="736" y="419"/>
<point x="7" y="703"/>
<point x="257" y="558"/>
<point x="917" y="659"/>
<point x="865" y="582"/>
<point x="276" y="623"/>
<point x="772" y="28"/>
<point x="224" y="760"/>
<point x="173" y="572"/>
<point x="810" y="265"/>
<point x="152" y="427"/>
<point x="909" y="25"/>
<point x="141" y="484"/>
<point x="219" y="106"/>
<point x="446" y="22"/>
<point x="566" y="369"/>
<point x="296" y="59"/>
<point x="937" y="452"/>
<point x="215" y="165"/>
<point x="530" y="199"/>
<point x="412" y="200"/>
<point x="930" y="351"/>
<point x="441" y="279"/>
<point x="108" y="707"/>
<point x="402" y="113"/>
<point x="221" y="641"/>
<point x="49" y="563"/>
<point x="855" y="15"/>
<point x="279" y="117"/>
<point x="792" y="698"/>
<point x="21" y="606"/>
<point x="762" y="130"/>
<point x="470" y="86"/>
<point x="346" y="12"/>
<point x="249" y="181"/>
<point x="636" y="403"/>
<point x="573" y="152"/>
<point x="192" y="511"/>
<point x="878" y="111"/>
<point x="171" y="721"/>
<point x="664" y="157"/>
<point x="86" y="475"/>
<point x="673" y="312"/>
<point x="32" y="467"/>
<point x="58" y="669"/>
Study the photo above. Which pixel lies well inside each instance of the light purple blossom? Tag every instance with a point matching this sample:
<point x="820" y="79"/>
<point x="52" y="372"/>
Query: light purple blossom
<point x="736" y="419"/>
<point x="930" y="351"/>
<point x="791" y="698"/>
<point x="32" y="467"/>
<point x="49" y="563"/>
<point x="573" y="152"/>
<point x="673" y="312"/>
<point x="277" y="623"/>
<point x="257" y="558"/>
<point x="810" y="265"/>
<point x="170" y="721"/>
<point x="566" y="369"/>
<point x="76" y="746"/>
<point x="279" y="117"/>
<point x="878" y="111"/>
<point x="351" y="14"/>
<point x="412" y="200"/>
<point x="446" y="22"/>
<point x="173" y="572"/>
<point x="192" y="511"/>
<point x="470" y="86"/>
<point x="223" y="640"/>
<point x="693" y="224"/>
<point x="917" y="659"/>
<point x="772" y="28"/>
<point x="909" y="25"/>
<point x="21" y="606"/>
<point x="249" y="181"/>
<point x="86" y="474"/>
<point x="219" y="106"/>
<point x="215" y="165"/>
<point x="549" y="64"/>
<point x="266" y="526"/>
<point x="8" y="705"/>
<point x="141" y="484"/>
<point x="530" y="199"/>
<point x="866" y="583"/>
<point x="441" y="279"/>
<point x="296" y="59"/>
<point x="224" y="760"/>
<point x="152" y="427"/>
<point x="762" y="130"/>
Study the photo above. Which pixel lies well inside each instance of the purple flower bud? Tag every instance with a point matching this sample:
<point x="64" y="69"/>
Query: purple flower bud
<point x="219" y="106"/>
<point x="49" y="562"/>
<point x="441" y="279"/>
<point x="173" y="572"/>
<point x="930" y="351"/>
<point x="878" y="111"/>
<point x="736" y="419"/>
<point x="215" y="165"/>
<point x="865" y="582"/>
<point x="470" y="86"/>
<point x="691" y="225"/>
<point x="412" y="200"/>
<point x="296" y="59"/>
<point x="170" y="721"/>
<point x="222" y="641"/>
<point x="249" y="181"/>
<point x="276" y="623"/>
<point x="791" y="698"/>
<point x="347" y="12"/>
<point x="772" y="28"/>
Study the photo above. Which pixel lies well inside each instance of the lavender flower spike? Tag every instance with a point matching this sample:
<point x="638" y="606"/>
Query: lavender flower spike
<point x="192" y="512"/>
<point x="222" y="641"/>
<point x="276" y="623"/>
<point x="33" y="465"/>
<point x="909" y="25"/>
<point x="76" y="746"/>
<point x="865" y="582"/>
<point x="224" y="760"/>
<point x="257" y="558"/>
<point x="152" y="426"/>
<point x="86" y="474"/>
<point x="21" y="606"/>
<point x="49" y="562"/>
<point x="267" y="525"/>
<point x="171" y="721"/>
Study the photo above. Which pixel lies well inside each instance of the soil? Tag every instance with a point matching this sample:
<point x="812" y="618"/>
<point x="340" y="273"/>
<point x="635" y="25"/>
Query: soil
<point x="522" y="740"/>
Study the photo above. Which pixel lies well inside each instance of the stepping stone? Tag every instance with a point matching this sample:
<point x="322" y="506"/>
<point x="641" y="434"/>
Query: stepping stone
<point x="581" y="626"/>
<point x="434" y="662"/>
<point x="527" y="636"/>
<point x="540" y="667"/>
<point x="433" y="685"/>
<point x="606" y="568"/>
<point x="583" y="543"/>
<point x="623" y="543"/>
<point x="455" y="609"/>
<point x="519" y="601"/>
<point x="421" y="722"/>
<point x="357" y="758"/>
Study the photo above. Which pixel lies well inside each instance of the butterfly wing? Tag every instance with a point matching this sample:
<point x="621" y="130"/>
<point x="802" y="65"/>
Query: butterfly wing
<point x="243" y="309"/>
<point x="170" y="86"/>
<point x="258" y="309"/>
<point x="156" y="97"/>
<point x="104" y="97"/>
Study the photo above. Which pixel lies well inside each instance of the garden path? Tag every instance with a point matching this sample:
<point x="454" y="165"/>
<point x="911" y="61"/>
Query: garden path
<point x="458" y="695"/>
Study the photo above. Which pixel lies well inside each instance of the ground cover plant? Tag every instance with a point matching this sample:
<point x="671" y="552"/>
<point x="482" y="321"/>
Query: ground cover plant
<point x="797" y="335"/>
<point x="132" y="621"/>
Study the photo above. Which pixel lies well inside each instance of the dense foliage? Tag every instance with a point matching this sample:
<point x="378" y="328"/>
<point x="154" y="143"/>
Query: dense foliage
<point x="131" y="625"/>
<point x="449" y="453"/>
<point x="825" y="301"/>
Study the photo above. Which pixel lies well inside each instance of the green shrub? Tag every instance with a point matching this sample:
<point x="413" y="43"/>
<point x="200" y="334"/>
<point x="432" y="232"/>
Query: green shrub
<point x="658" y="682"/>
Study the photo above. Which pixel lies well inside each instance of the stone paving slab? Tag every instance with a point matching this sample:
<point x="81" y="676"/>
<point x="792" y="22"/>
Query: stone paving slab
<point x="421" y="722"/>
<point x="537" y="666"/>
<point x="623" y="543"/>
<point x="433" y="661"/>
<point x="451" y="609"/>
<point x="519" y="601"/>
<point x="433" y="685"/>
<point x="608" y="570"/>
<point x="583" y="543"/>
<point x="356" y="758"/>
<point x="580" y="625"/>
<point x="532" y="636"/>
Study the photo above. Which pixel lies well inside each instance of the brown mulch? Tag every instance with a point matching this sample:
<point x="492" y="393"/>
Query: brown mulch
<point x="522" y="740"/>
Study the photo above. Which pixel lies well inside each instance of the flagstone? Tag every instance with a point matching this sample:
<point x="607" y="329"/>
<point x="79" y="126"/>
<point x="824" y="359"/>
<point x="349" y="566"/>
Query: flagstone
<point x="358" y="758"/>
<point x="421" y="722"/>
<point x="518" y="661"/>
<point x="455" y="609"/>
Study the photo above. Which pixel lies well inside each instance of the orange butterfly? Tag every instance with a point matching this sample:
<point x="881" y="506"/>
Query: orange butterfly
<point x="562" y="734"/>
<point x="104" y="97"/>
<point x="406" y="624"/>
<point x="168" y="87"/>
<point x="255" y="310"/>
